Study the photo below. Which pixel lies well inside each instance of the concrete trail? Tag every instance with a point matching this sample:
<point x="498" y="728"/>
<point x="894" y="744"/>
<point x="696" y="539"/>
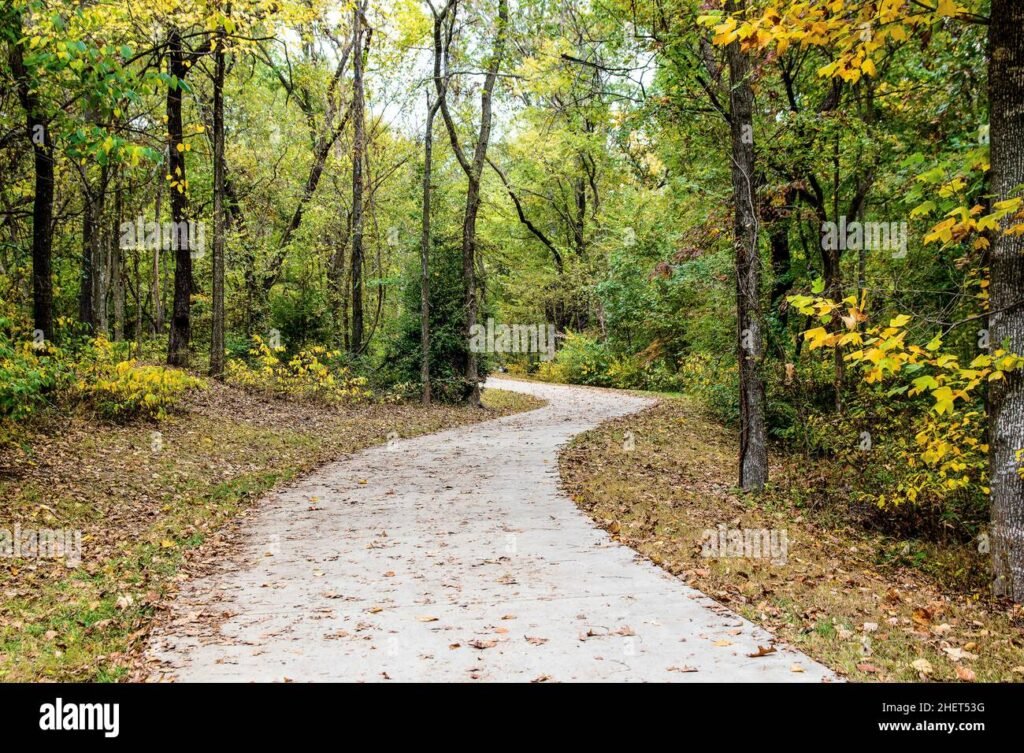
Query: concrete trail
<point x="454" y="557"/>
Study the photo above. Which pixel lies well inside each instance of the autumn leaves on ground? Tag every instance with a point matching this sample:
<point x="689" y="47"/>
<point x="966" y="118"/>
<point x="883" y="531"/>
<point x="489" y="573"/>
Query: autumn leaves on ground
<point x="152" y="501"/>
<point x="870" y="606"/>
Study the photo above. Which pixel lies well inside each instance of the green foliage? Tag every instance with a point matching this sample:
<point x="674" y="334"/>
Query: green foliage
<point x="580" y="360"/>
<point x="125" y="389"/>
<point x="89" y="372"/>
<point x="29" y="373"/>
<point x="448" y="344"/>
<point x="315" y="373"/>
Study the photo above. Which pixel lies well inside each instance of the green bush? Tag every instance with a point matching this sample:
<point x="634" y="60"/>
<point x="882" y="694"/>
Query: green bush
<point x="580" y="360"/>
<point x="448" y="346"/>
<point x="29" y="373"/>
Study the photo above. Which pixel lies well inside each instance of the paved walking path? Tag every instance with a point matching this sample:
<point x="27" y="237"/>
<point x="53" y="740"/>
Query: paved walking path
<point x="455" y="557"/>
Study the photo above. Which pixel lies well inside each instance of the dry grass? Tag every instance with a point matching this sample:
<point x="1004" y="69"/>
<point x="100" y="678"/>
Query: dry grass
<point x="842" y="597"/>
<point x="146" y="510"/>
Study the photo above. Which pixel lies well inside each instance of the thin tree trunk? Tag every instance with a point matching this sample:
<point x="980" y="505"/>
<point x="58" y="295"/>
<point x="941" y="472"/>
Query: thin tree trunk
<point x="219" y="220"/>
<point x="100" y="277"/>
<point x="87" y="285"/>
<point x="157" y="294"/>
<point x="117" y="267"/>
<point x="753" y="432"/>
<point x="181" y="316"/>
<point x="358" y="146"/>
<point x="428" y="149"/>
<point x="1006" y="142"/>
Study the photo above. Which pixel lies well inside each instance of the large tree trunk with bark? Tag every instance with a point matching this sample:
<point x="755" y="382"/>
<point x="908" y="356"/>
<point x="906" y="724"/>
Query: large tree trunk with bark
<point x="1006" y="136"/>
<point x="181" y="314"/>
<point x="42" y="202"/>
<point x="753" y="432"/>
<point x="219" y="219"/>
<point x="474" y="173"/>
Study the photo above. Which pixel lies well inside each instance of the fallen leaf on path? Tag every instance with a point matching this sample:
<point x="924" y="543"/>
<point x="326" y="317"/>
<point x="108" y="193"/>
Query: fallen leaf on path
<point x="923" y="666"/>
<point x="956" y="654"/>
<point x="535" y="641"/>
<point x="426" y="618"/>
<point x="762" y="651"/>
<point x="375" y="610"/>
<point x="966" y="674"/>
<point x="683" y="668"/>
<point x="477" y="643"/>
<point x="796" y="668"/>
<point x="723" y="642"/>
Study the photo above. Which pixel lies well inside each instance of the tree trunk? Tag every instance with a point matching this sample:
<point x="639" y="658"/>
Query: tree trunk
<point x="428" y="149"/>
<point x="157" y="293"/>
<point x="1006" y="142"/>
<point x="181" y="315"/>
<point x="474" y="173"/>
<point x="100" y="261"/>
<point x="219" y="220"/>
<point x="87" y="285"/>
<point x="42" y="202"/>
<point x="753" y="433"/>
<point x="117" y="267"/>
<point x="358" y="147"/>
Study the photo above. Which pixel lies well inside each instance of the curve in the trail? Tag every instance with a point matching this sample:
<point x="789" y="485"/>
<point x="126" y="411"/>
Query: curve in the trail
<point x="455" y="557"/>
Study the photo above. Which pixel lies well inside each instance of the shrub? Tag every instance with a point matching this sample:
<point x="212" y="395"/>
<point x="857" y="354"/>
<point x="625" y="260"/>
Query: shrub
<point x="124" y="389"/>
<point x="316" y="374"/>
<point x="580" y="360"/>
<point x="448" y="346"/>
<point x="28" y="373"/>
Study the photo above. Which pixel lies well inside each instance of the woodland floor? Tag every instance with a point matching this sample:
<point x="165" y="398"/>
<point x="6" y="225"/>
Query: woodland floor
<point x="153" y="512"/>
<point x="871" y="607"/>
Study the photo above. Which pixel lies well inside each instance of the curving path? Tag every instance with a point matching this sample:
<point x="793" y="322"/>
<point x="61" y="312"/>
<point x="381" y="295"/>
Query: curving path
<point x="455" y="557"/>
